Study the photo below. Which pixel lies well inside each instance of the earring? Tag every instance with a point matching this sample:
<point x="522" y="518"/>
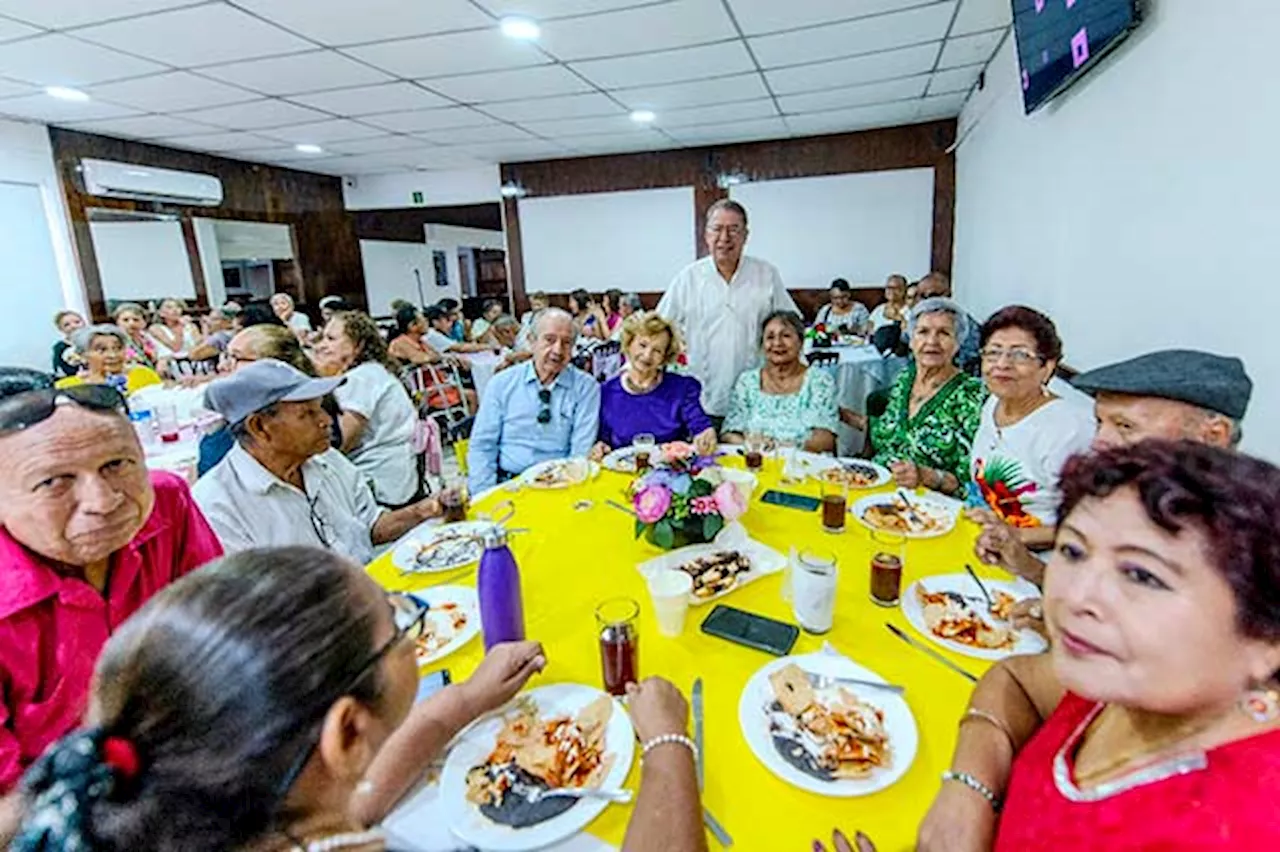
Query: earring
<point x="1261" y="705"/>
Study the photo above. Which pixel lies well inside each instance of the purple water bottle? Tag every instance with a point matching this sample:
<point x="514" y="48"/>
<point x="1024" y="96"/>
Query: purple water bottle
<point x="498" y="584"/>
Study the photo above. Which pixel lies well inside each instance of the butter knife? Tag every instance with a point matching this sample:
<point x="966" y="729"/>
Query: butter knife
<point x="932" y="653"/>
<point x="697" y="733"/>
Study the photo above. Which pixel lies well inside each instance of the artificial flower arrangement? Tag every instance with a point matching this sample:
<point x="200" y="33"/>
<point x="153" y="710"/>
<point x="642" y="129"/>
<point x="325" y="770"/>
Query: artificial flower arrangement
<point x="820" y="335"/>
<point x="684" y="499"/>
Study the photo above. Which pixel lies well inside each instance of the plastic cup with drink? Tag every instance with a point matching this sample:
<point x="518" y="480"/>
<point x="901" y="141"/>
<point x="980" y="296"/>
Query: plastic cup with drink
<point x="670" y="592"/>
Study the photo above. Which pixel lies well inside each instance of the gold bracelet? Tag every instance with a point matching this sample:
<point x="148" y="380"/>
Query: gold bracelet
<point x="991" y="719"/>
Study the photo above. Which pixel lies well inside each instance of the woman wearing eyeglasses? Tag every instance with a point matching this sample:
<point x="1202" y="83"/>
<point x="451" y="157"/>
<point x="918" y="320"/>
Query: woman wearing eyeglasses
<point x="1026" y="433"/>
<point x="267" y="703"/>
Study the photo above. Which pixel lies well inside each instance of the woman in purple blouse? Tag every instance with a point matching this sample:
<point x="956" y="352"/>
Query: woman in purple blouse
<point x="645" y="398"/>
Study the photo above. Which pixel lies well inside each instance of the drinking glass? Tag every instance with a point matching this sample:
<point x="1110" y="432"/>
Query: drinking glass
<point x="835" y="501"/>
<point x="887" y="565"/>
<point x="167" y="422"/>
<point x="616" y="620"/>
<point x="813" y="591"/>
<point x="644" y="444"/>
<point x="754" y="457"/>
<point x="670" y="592"/>
<point x="454" y="501"/>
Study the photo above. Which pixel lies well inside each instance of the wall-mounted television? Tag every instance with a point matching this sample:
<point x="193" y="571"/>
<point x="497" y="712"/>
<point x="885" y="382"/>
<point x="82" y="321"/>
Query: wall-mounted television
<point x="1060" y="40"/>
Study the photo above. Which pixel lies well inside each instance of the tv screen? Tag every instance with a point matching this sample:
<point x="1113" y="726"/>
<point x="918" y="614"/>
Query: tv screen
<point x="1059" y="40"/>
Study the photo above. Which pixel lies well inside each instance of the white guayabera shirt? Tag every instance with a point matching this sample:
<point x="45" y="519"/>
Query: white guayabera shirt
<point x="720" y="321"/>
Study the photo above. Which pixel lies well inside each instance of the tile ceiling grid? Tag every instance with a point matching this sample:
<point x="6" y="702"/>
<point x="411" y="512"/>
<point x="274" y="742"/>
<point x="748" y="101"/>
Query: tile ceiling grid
<point x="271" y="73"/>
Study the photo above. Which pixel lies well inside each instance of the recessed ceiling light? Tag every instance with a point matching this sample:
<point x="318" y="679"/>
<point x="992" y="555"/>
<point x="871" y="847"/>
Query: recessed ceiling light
<point x="523" y="29"/>
<point x="66" y="94"/>
<point x="308" y="149"/>
<point x="643" y="116"/>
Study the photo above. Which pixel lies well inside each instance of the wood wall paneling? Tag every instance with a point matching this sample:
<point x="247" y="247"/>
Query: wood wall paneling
<point x="327" y="250"/>
<point x="407" y="224"/>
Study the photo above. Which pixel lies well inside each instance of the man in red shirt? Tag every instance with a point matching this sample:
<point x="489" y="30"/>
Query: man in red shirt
<point x="87" y="535"/>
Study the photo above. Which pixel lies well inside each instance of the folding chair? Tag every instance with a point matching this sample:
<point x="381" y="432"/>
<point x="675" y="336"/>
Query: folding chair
<point x="606" y="360"/>
<point x="438" y="393"/>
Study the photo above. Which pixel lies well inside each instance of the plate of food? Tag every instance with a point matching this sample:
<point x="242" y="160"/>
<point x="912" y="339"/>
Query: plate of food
<point x="951" y="612"/>
<point x="855" y="473"/>
<point x="719" y="567"/>
<point x="564" y="735"/>
<point x="433" y="548"/>
<point x="825" y="736"/>
<point x="623" y="459"/>
<point x="559" y="473"/>
<point x="453" y="620"/>
<point x="928" y="516"/>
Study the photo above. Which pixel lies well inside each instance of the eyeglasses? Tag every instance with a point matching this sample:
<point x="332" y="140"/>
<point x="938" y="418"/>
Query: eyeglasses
<point x="28" y="397"/>
<point x="1019" y="357"/>
<point x="318" y="522"/>
<point x="544" y="413"/>
<point x="729" y="230"/>
<point x="409" y="614"/>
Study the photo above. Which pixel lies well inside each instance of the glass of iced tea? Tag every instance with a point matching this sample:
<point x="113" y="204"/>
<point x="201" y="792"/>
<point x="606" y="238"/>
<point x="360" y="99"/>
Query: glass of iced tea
<point x="886" y="567"/>
<point x="754" y="455"/>
<point x="616" y="620"/>
<point x="453" y="502"/>
<point x="644" y="444"/>
<point x="835" y="500"/>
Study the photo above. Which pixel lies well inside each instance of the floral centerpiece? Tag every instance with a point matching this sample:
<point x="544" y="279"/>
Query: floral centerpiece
<point x="685" y="499"/>
<point x="820" y="335"/>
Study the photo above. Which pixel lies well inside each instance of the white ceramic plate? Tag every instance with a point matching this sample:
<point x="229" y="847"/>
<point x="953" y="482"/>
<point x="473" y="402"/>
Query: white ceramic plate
<point x="936" y="507"/>
<point x="899" y="722"/>
<point x="816" y="466"/>
<point x="573" y="472"/>
<point x="622" y="460"/>
<point x="764" y="559"/>
<point x="462" y="547"/>
<point x="1027" y="641"/>
<point x="474" y="745"/>
<point x="443" y="601"/>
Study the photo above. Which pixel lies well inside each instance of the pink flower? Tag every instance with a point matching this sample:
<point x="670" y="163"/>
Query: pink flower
<point x="704" y="505"/>
<point x="652" y="503"/>
<point x="678" y="451"/>
<point x="729" y="501"/>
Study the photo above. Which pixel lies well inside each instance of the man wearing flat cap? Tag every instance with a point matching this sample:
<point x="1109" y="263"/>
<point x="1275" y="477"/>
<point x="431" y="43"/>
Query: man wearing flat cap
<point x="1176" y="394"/>
<point x="282" y="484"/>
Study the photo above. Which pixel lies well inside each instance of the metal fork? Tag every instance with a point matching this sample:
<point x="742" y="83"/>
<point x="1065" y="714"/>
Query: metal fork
<point x="537" y="794"/>
<point x="822" y="681"/>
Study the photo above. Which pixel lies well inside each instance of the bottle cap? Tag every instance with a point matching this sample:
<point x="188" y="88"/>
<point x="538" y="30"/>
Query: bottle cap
<point x="495" y="536"/>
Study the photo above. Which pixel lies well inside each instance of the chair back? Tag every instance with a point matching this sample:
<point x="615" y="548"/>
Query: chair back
<point x="823" y="358"/>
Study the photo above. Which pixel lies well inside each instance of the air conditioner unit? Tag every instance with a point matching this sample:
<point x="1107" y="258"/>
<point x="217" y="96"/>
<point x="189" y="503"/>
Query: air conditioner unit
<point x="144" y="183"/>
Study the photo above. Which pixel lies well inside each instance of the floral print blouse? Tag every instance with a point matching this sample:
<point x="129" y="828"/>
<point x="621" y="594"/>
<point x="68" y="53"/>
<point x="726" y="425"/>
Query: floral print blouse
<point x="783" y="417"/>
<point x="940" y="435"/>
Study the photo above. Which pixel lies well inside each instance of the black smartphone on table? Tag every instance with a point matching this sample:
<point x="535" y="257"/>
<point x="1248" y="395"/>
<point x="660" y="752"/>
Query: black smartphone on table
<point x="754" y="631"/>
<point x="791" y="501"/>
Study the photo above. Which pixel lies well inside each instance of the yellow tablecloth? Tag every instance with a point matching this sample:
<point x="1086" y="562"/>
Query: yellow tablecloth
<point x="572" y="558"/>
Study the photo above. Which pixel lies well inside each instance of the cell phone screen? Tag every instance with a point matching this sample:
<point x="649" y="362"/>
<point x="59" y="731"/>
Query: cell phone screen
<point x="791" y="501"/>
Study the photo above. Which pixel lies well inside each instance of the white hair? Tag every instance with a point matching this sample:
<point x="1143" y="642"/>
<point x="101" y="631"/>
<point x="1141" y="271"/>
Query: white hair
<point x="548" y="314"/>
<point x="940" y="305"/>
<point x="82" y="338"/>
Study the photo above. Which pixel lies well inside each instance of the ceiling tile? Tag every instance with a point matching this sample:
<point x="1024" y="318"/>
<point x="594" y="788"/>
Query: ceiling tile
<point x="369" y="100"/>
<point x="668" y="66"/>
<point x="11" y="29"/>
<point x="613" y="143"/>
<point x="942" y="106"/>
<point x="177" y="90"/>
<point x="456" y="53"/>
<point x="221" y="142"/>
<point x="768" y="16"/>
<point x="955" y="80"/>
<point x="199" y="35"/>
<point x="429" y="119"/>
<point x="256" y="115"/>
<point x="333" y="130"/>
<point x="872" y="93"/>
<point x="900" y="29"/>
<point x="144" y="127"/>
<point x="737" y="131"/>
<point x="717" y="113"/>
<point x="858" y="118"/>
<point x="545" y="10"/>
<point x="63" y="14"/>
<point x="336" y="166"/>
<point x="298" y="73"/>
<point x="854" y="71"/>
<point x="646" y="28"/>
<point x="978" y="15"/>
<point x="970" y="49"/>
<point x="362" y="167"/>
<point x="507" y="151"/>
<point x="58" y="60"/>
<point x="479" y="135"/>
<point x="582" y="126"/>
<point x="10" y="89"/>
<point x="41" y="107"/>
<point x="450" y="158"/>
<point x="377" y="145"/>
<point x="543" y="109"/>
<point x="739" y="87"/>
<point x="339" y="22"/>
<point x="537" y="82"/>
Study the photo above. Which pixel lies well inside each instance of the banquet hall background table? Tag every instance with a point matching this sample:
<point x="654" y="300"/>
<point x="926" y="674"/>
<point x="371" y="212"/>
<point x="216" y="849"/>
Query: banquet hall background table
<point x="861" y="371"/>
<point x="483" y="365"/>
<point x="572" y="558"/>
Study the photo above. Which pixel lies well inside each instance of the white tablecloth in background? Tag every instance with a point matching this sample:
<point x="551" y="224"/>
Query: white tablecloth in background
<point x="483" y="365"/>
<point x="860" y="373"/>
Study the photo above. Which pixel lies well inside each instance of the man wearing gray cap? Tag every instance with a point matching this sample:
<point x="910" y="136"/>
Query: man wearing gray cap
<point x="1173" y="394"/>
<point x="282" y="484"/>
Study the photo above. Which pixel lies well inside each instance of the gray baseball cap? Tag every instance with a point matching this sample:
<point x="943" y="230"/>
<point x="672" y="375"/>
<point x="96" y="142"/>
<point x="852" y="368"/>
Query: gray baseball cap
<point x="1214" y="382"/>
<point x="263" y="383"/>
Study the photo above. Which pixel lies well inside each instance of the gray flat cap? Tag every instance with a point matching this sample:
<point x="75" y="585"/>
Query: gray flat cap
<point x="263" y="383"/>
<point x="1213" y="382"/>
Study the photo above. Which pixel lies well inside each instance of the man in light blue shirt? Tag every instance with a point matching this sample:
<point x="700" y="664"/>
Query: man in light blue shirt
<point x="543" y="409"/>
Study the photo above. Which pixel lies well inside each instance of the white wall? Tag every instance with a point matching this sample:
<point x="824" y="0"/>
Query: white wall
<point x="1142" y="209"/>
<point x="210" y="259"/>
<point x="438" y="188"/>
<point x="41" y="276"/>
<point x="860" y="227"/>
<point x="141" y="261"/>
<point x="392" y="271"/>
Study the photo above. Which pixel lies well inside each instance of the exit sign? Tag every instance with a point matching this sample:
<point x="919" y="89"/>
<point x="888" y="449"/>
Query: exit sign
<point x="417" y="198"/>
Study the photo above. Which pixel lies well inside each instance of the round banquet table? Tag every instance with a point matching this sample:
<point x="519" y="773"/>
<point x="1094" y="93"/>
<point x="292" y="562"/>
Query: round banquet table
<point x="572" y="558"/>
<point x="860" y="372"/>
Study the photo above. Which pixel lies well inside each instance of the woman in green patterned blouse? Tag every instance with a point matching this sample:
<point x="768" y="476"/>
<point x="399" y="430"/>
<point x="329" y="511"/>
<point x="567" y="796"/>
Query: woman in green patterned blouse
<point x="925" y="434"/>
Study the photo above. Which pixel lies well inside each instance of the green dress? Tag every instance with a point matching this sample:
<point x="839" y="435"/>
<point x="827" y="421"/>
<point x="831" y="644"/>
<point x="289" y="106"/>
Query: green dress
<point x="940" y="436"/>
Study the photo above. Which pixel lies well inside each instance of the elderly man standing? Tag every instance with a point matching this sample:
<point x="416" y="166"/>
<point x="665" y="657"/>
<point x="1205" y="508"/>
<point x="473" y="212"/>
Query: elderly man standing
<point x="719" y="302"/>
<point x="87" y="535"/>
<point x="543" y="409"/>
<point x="282" y="484"/>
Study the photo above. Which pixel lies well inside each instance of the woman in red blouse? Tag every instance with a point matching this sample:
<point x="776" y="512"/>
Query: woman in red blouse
<point x="1154" y="720"/>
